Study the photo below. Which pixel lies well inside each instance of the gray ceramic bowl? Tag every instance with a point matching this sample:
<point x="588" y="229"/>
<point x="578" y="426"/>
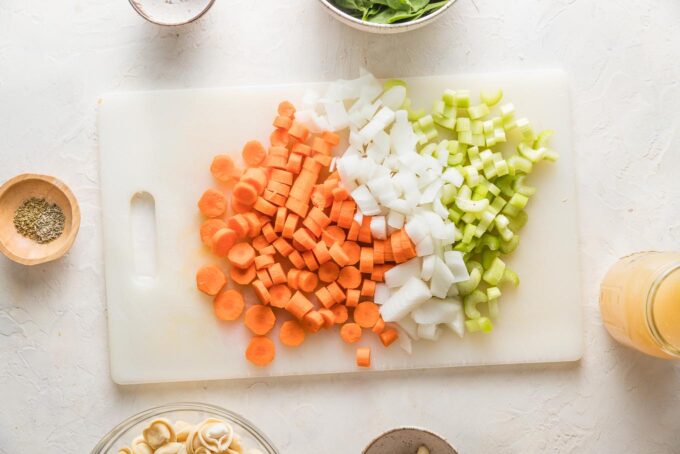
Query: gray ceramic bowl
<point x="407" y="440"/>
<point x="383" y="28"/>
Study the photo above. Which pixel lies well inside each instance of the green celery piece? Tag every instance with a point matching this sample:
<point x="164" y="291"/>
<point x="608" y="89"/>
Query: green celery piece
<point x="494" y="273"/>
<point x="518" y="221"/>
<point x="490" y="242"/>
<point x="406" y="105"/>
<point x="478" y="111"/>
<point x="468" y="233"/>
<point x="518" y="186"/>
<point x="469" y="218"/>
<point x="465" y="137"/>
<point x="463" y="98"/>
<point x="497" y="205"/>
<point x="510" y="277"/>
<point x="390" y="83"/>
<point x="485" y="222"/>
<point x="493" y="189"/>
<point x="414" y="115"/>
<point x="505" y="184"/>
<point x="464" y="202"/>
<point x="531" y="154"/>
<point x="516" y="204"/>
<point x="449" y="193"/>
<point x="454" y="213"/>
<point x="493" y="293"/>
<point x="470" y="303"/>
<point x="543" y="138"/>
<point x="502" y="228"/>
<point x="455" y="159"/>
<point x="480" y="192"/>
<point x="524" y="126"/>
<point x="488" y="258"/>
<point x="465" y="247"/>
<point x="519" y="163"/>
<point x="508" y="247"/>
<point x="477" y="127"/>
<point x="429" y="149"/>
<point x="494" y="312"/>
<point x="479" y="324"/>
<point x="445" y="122"/>
<point x="463" y="124"/>
<point x="449" y="97"/>
<point x="466" y="287"/>
<point x="491" y="98"/>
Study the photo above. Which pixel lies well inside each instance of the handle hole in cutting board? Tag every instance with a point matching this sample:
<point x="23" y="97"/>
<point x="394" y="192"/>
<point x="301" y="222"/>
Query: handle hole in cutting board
<point x="143" y="216"/>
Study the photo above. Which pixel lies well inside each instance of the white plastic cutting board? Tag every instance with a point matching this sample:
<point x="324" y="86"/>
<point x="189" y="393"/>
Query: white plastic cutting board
<point x="162" y="329"/>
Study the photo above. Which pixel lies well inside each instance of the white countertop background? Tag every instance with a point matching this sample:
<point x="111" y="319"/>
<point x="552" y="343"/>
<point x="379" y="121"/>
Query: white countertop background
<point x="623" y="57"/>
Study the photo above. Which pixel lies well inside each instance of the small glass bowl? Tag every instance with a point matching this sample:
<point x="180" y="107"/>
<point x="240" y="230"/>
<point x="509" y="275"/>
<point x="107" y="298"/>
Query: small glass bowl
<point x="126" y="431"/>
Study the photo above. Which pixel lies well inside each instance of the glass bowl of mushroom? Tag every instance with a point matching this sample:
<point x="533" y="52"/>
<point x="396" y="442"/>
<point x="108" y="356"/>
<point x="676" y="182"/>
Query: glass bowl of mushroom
<point x="185" y="428"/>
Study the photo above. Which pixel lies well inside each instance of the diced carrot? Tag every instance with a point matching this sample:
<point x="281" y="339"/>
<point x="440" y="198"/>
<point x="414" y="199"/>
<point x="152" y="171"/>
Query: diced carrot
<point x="389" y="255"/>
<point x="261" y="351"/>
<point x="366" y="314"/>
<point x="307" y="281"/>
<point x="299" y="305"/>
<point x="292" y="277"/>
<point x="319" y="200"/>
<point x="321" y="253"/>
<point x="350" y="333"/>
<point x="239" y="224"/>
<point x="263" y="276"/>
<point x="340" y="313"/>
<point x="222" y="241"/>
<point x="368" y="288"/>
<point x="319" y="217"/>
<point x="336" y="208"/>
<point x="296" y="260"/>
<point x="379" y="272"/>
<point x="253" y="153"/>
<point x="352" y="299"/>
<point x="254" y="225"/>
<point x="228" y="305"/>
<point x="311" y="165"/>
<point x="312" y="321"/>
<point x="269" y="234"/>
<point x="269" y="250"/>
<point x="323" y="159"/>
<point x="313" y="227"/>
<point x="302" y="149"/>
<point x="212" y="203"/>
<point x="280" y="219"/>
<point x="297" y="206"/>
<point x="282" y="122"/>
<point x="291" y="334"/>
<point x="408" y="248"/>
<point x="279" y="137"/>
<point x="324" y="297"/>
<point x="350" y="277"/>
<point x="283" y="247"/>
<point x="328" y="317"/>
<point x="363" y="357"/>
<point x="333" y="234"/>
<point x="328" y="187"/>
<point x="303" y="237"/>
<point x="238" y="207"/>
<point x="260" y="242"/>
<point x="328" y="272"/>
<point x="280" y="294"/>
<point x="210" y="280"/>
<point x="365" y="231"/>
<point x="263" y="261"/>
<point x="209" y="228"/>
<point x="299" y="131"/>
<point x="264" y="207"/>
<point x="310" y="261"/>
<point x="337" y="292"/>
<point x="294" y="164"/>
<point x="256" y="177"/>
<point x="286" y="109"/>
<point x="340" y="194"/>
<point x="346" y="215"/>
<point x="244" y="193"/>
<point x="281" y="176"/>
<point x="378" y="252"/>
<point x="379" y="326"/>
<point x="353" y="252"/>
<point x="260" y="319"/>
<point x="366" y="260"/>
<point x="353" y="233"/>
<point x="321" y="146"/>
<point x="241" y="255"/>
<point x="330" y="137"/>
<point x="388" y="336"/>
<point x="222" y="168"/>
<point x="242" y="277"/>
<point x="261" y="291"/>
<point x="290" y="225"/>
<point x="338" y="254"/>
<point x="277" y="274"/>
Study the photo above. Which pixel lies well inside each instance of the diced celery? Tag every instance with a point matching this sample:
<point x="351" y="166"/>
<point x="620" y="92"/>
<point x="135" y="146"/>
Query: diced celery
<point x="505" y="185"/>
<point x="414" y="115"/>
<point x="497" y="205"/>
<point x="466" y="287"/>
<point x="465" y="137"/>
<point x="478" y="111"/>
<point x="489" y="241"/>
<point x="479" y="324"/>
<point x="518" y="186"/>
<point x="543" y="137"/>
<point x="531" y="154"/>
<point x="477" y="127"/>
<point x="524" y="126"/>
<point x="508" y="247"/>
<point x="454" y="214"/>
<point x="488" y="257"/>
<point x="471" y="175"/>
<point x="494" y="273"/>
<point x="449" y="193"/>
<point x="518" y="221"/>
<point x="469" y="218"/>
<point x="493" y="189"/>
<point x="510" y="277"/>
<point x="470" y="303"/>
<point x="480" y="192"/>
<point x="462" y="98"/>
<point x="468" y="233"/>
<point x="518" y="163"/>
<point x="449" y="97"/>
<point x="516" y="204"/>
<point x="456" y="159"/>
<point x="493" y="308"/>
<point x="493" y="293"/>
<point x="462" y="125"/>
<point x="389" y="83"/>
<point x="491" y="98"/>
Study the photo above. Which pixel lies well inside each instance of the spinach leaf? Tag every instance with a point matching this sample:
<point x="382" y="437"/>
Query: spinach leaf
<point x="388" y="11"/>
<point x="400" y="5"/>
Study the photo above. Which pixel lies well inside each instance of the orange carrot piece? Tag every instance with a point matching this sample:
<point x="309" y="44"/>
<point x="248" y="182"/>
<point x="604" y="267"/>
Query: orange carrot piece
<point x="388" y="336"/>
<point x="302" y="149"/>
<point x="292" y="278"/>
<point x="297" y="206"/>
<point x="210" y="280"/>
<point x="269" y="250"/>
<point x="299" y="131"/>
<point x="340" y="194"/>
<point x="333" y="234"/>
<point x="323" y="159"/>
<point x="330" y="137"/>
<point x="350" y="277"/>
<point x="340" y="313"/>
<point x="269" y="234"/>
<point x="312" y="321"/>
<point x="368" y="288"/>
<point x="261" y="291"/>
<point x="238" y="207"/>
<point x="263" y="261"/>
<point x="307" y="281"/>
<point x="378" y="252"/>
<point x="303" y="237"/>
<point x="263" y="277"/>
<point x="212" y="203"/>
<point x="310" y="261"/>
<point x="277" y="274"/>
<point x="354" y="229"/>
<point x="228" y="305"/>
<point x="264" y="207"/>
<point x="239" y="224"/>
<point x="312" y="166"/>
<point x="379" y="326"/>
<point x="299" y="305"/>
<point x="209" y="228"/>
<point x="328" y="272"/>
<point x="321" y="146"/>
<point x="280" y="220"/>
<point x="283" y="247"/>
<point x="328" y="317"/>
<point x="241" y="255"/>
<point x="260" y="242"/>
<point x="260" y="319"/>
<point x="296" y="260"/>
<point x="281" y="176"/>
<point x="313" y="227"/>
<point x="294" y="164"/>
<point x="244" y="193"/>
<point x="338" y="254"/>
<point x="282" y="122"/>
<point x="352" y="299"/>
<point x="366" y="314"/>
<point x="319" y="200"/>
<point x="366" y="260"/>
<point x="222" y="241"/>
<point x="350" y="333"/>
<point x="291" y="334"/>
<point x="353" y="252"/>
<point x="280" y="295"/>
<point x="290" y="225"/>
<point x="242" y="277"/>
<point x="346" y="215"/>
<point x="254" y="224"/>
<point x="337" y="292"/>
<point x="223" y="168"/>
<point x="378" y="274"/>
<point x="365" y="230"/>
<point x="336" y="207"/>
<point x="278" y="188"/>
<point x="319" y="217"/>
<point x="363" y="356"/>
<point x="408" y="248"/>
<point x="389" y="255"/>
<point x="253" y="153"/>
<point x="286" y="109"/>
<point x="256" y="177"/>
<point x="324" y="297"/>
<point x="279" y="138"/>
<point x="321" y="253"/>
<point x="261" y="351"/>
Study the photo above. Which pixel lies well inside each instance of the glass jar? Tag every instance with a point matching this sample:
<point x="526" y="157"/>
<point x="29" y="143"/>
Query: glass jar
<point x="640" y="303"/>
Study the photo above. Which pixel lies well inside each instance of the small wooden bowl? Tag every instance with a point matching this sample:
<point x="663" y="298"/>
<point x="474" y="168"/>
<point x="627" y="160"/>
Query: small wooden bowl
<point x="407" y="440"/>
<point x="17" y="190"/>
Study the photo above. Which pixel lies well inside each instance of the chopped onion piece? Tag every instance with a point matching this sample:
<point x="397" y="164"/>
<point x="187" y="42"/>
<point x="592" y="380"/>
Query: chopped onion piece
<point x="429" y="332"/>
<point x="411" y="295"/>
<point x="400" y="274"/>
<point x="378" y="227"/>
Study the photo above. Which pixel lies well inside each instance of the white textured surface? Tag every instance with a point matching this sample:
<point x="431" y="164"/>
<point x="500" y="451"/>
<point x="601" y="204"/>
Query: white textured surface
<point x="55" y="59"/>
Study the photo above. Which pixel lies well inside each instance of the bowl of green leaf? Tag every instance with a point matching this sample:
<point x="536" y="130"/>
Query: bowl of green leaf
<point x="386" y="16"/>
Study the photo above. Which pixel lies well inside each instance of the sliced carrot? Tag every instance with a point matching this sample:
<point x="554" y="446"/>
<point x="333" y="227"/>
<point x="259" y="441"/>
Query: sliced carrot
<point x="368" y="288"/>
<point x="346" y="215"/>
<point x="338" y="254"/>
<point x="328" y="187"/>
<point x="408" y="247"/>
<point x="324" y="297"/>
<point x="254" y="225"/>
<point x="379" y="326"/>
<point x="238" y="207"/>
<point x="261" y="351"/>
<point x="264" y="207"/>
<point x="241" y="255"/>
<point x="269" y="233"/>
<point x="303" y="237"/>
<point x="328" y="317"/>
<point x="282" y="122"/>
<point x="333" y="234"/>
<point x="210" y="280"/>
<point x="311" y="165"/>
<point x="239" y="224"/>
<point x="297" y="206"/>
<point x="366" y="260"/>
<point x="292" y="278"/>
<point x="290" y="225"/>
<point x="299" y="131"/>
<point x="330" y="137"/>
<point x="263" y="276"/>
<point x="302" y="149"/>
<point x="286" y="109"/>
<point x="310" y="261"/>
<point x="222" y="168"/>
<point x="244" y="193"/>
<point x="209" y="228"/>
<point x="340" y="194"/>
<point x="307" y="281"/>
<point x="296" y="260"/>
<point x="260" y="319"/>
<point x="319" y="217"/>
<point x="337" y="292"/>
<point x="299" y="305"/>
<point x="268" y="250"/>
<point x="279" y="137"/>
<point x="313" y="227"/>
<point x="280" y="295"/>
<point x="278" y="188"/>
<point x="277" y="274"/>
<point x="256" y="177"/>
<point x="350" y="333"/>
<point x="328" y="272"/>
<point x="228" y="305"/>
<point x="379" y="272"/>
<point x="353" y="252"/>
<point x="212" y="203"/>
<point x="340" y="313"/>
<point x="291" y="334"/>
<point x="263" y="261"/>
<point x="283" y="247"/>
<point x="352" y="298"/>
<point x="222" y="241"/>
<point x="378" y="252"/>
<point x="294" y="164"/>
<point x="280" y="219"/>
<point x="349" y="277"/>
<point x="365" y="230"/>
<point x="321" y="253"/>
<point x="242" y="277"/>
<point x="388" y="336"/>
<point x="363" y="357"/>
<point x="336" y="207"/>
<point x="261" y="291"/>
<point x="353" y="233"/>
<point x="281" y="176"/>
<point x="312" y="321"/>
<point x="389" y="255"/>
<point x="253" y="153"/>
<point x="321" y="146"/>
<point x="319" y="200"/>
<point x="260" y="242"/>
<point x="366" y="314"/>
<point x="323" y="158"/>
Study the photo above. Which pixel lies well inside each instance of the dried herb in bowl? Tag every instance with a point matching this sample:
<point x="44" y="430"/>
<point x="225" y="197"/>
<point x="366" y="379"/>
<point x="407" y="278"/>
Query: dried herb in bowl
<point x="39" y="220"/>
<point x="389" y="11"/>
